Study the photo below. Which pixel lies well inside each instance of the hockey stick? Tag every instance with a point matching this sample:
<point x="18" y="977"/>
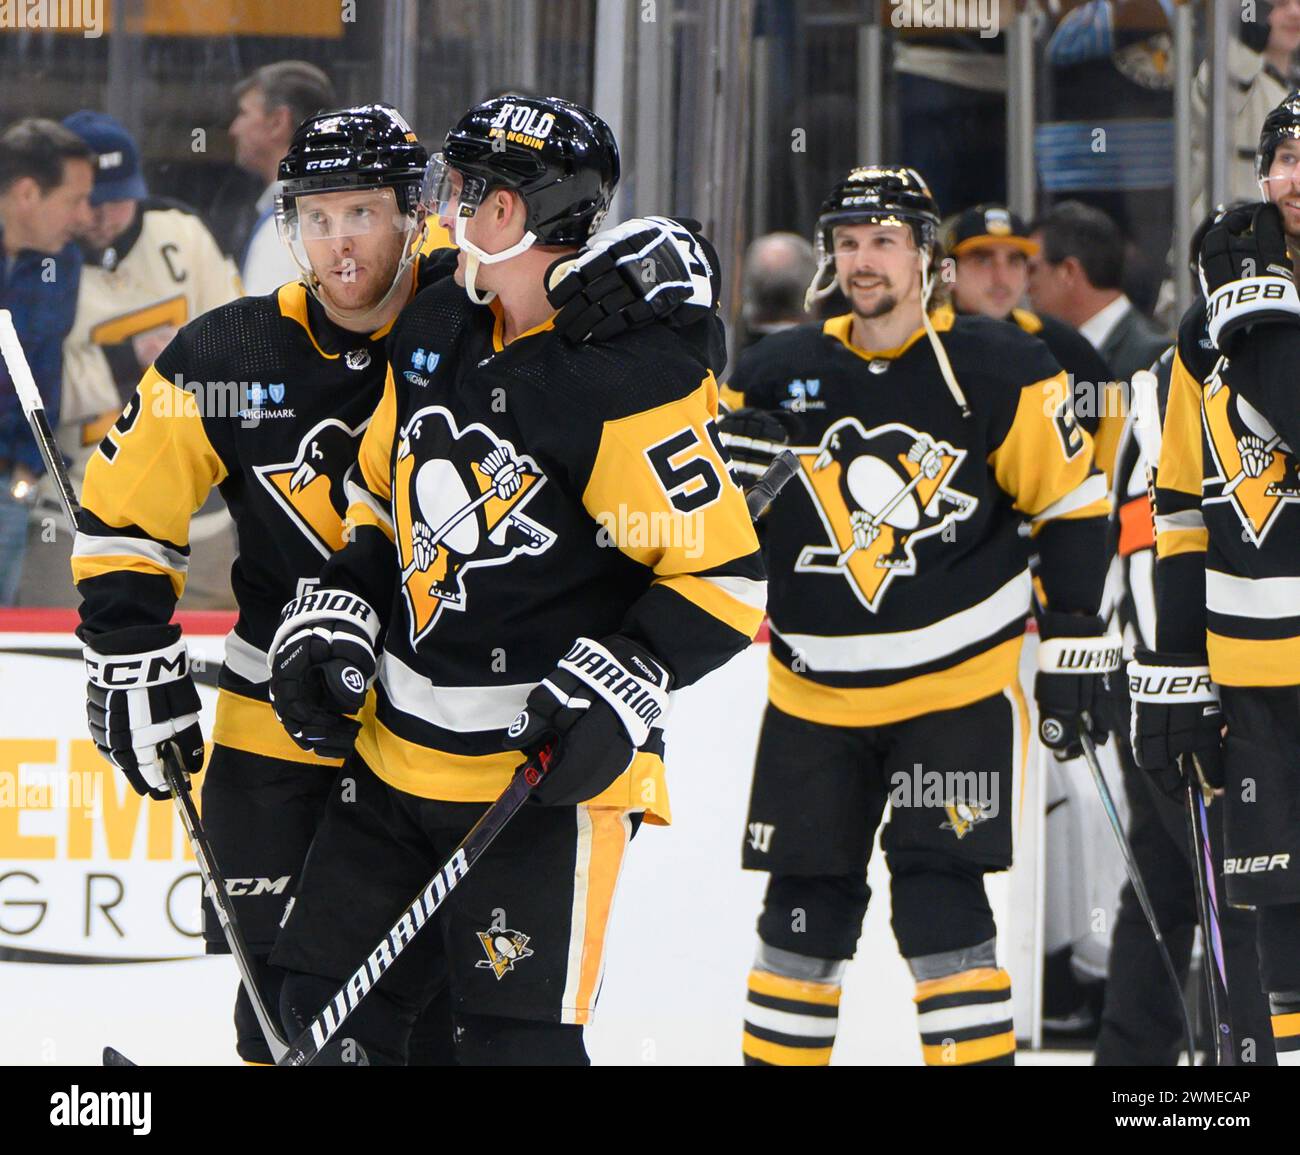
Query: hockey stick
<point x="316" y="1034"/>
<point x="1147" y="408"/>
<point x="1207" y="909"/>
<point x="213" y="883"/>
<point x="1136" y="880"/>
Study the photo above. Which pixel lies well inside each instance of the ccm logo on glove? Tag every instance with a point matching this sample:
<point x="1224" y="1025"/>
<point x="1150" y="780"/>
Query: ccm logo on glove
<point x="139" y="670"/>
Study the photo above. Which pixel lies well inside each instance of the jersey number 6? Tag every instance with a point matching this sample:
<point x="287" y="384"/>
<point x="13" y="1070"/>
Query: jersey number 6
<point x="688" y="476"/>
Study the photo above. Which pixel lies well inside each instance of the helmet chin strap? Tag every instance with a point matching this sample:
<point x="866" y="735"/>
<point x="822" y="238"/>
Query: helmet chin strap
<point x="474" y="256"/>
<point x="940" y="353"/>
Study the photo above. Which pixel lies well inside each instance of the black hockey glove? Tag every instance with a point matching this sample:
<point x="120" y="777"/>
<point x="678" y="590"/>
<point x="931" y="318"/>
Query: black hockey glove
<point x="753" y="438"/>
<point x="322" y="664"/>
<point x="598" y="706"/>
<point x="1175" y="714"/>
<point x="643" y="270"/>
<point x="1074" y="657"/>
<point x="141" y="696"/>
<point x="1246" y="274"/>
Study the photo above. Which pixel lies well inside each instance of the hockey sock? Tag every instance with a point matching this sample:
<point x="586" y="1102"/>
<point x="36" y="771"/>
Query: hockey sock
<point x="963" y="1004"/>
<point x="793" y="1009"/>
<point x="1284" y="1007"/>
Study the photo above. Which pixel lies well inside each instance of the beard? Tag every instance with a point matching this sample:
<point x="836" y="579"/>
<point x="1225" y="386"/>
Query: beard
<point x="886" y="303"/>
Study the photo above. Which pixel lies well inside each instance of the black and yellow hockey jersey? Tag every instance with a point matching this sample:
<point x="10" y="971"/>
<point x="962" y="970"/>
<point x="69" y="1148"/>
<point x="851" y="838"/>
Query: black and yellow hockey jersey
<point x="536" y="492"/>
<point x="1227" y="524"/>
<point x="266" y="399"/>
<point x="898" y="578"/>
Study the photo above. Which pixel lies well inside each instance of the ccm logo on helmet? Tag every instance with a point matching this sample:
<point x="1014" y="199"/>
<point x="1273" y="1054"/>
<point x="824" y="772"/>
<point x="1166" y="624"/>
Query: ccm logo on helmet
<point x="329" y="162"/>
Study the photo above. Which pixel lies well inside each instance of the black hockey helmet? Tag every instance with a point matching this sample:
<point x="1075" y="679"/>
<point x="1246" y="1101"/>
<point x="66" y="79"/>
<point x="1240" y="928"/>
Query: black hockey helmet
<point x="366" y="146"/>
<point x="1281" y="124"/>
<point x="881" y="195"/>
<point x="560" y="157"/>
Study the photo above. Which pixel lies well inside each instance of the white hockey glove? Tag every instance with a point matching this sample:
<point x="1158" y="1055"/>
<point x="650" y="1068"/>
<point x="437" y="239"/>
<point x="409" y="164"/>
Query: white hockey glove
<point x="322" y="664"/>
<point x="140" y="697"/>
<point x="643" y="270"/>
<point x="598" y="707"/>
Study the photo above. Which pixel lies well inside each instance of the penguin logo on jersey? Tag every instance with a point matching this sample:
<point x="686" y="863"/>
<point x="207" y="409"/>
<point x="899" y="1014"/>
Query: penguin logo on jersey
<point x="310" y="487"/>
<point x="504" y="948"/>
<point x="1256" y="468"/>
<point x="963" y="816"/>
<point x="877" y="493"/>
<point x="458" y="501"/>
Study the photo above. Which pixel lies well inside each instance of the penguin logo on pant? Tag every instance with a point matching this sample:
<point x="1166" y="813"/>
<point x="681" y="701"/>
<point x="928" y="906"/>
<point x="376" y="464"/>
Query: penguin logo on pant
<point x="1256" y="468"/>
<point x="458" y="501"/>
<point x="877" y="493"/>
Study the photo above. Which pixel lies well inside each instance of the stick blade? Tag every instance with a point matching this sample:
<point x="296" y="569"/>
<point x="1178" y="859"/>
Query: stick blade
<point x="115" y="1058"/>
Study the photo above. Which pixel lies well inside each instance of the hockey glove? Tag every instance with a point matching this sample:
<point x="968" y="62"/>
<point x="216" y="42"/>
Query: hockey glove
<point x="1074" y="657"/>
<point x="141" y="696"/>
<point x="1246" y="273"/>
<point x="1175" y="713"/>
<point x="598" y="706"/>
<point x="642" y="270"/>
<point x="753" y="438"/>
<point x="322" y="664"/>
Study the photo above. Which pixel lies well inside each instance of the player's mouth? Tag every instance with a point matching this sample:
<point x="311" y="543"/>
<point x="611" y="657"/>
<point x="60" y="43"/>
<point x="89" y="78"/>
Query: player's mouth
<point x="868" y="284"/>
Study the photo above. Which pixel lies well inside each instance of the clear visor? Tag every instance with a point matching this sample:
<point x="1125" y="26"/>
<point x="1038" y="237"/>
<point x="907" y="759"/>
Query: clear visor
<point x="844" y="243"/>
<point x="447" y="192"/>
<point x="332" y="215"/>
<point x="1286" y="158"/>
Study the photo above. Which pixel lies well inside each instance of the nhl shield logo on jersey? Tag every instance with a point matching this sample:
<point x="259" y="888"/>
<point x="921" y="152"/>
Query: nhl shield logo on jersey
<point x="504" y="948"/>
<point x="877" y="493"/>
<point x="1256" y="468"/>
<point x="458" y="500"/>
<point x="309" y="489"/>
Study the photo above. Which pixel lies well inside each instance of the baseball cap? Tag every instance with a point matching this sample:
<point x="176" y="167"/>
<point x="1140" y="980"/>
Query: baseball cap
<point x="985" y="225"/>
<point x="117" y="173"/>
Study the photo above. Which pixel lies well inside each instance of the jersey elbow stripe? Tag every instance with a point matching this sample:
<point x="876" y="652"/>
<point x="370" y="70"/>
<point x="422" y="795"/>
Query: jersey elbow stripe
<point x="1170" y="543"/>
<point x="93" y="557"/>
<point x="736" y="601"/>
<point x="1088" y="499"/>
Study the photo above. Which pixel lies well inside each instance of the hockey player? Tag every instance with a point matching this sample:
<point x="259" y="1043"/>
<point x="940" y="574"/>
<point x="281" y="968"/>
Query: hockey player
<point x="494" y="476"/>
<point x="266" y="399"/>
<point x="1228" y="576"/>
<point x="899" y="592"/>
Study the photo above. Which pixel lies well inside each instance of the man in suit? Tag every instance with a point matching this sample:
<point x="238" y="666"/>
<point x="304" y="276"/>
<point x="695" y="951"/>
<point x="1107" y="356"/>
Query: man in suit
<point x="1076" y="276"/>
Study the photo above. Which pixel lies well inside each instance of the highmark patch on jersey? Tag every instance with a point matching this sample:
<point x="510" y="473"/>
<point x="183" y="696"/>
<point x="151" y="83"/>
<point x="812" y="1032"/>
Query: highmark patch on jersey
<point x="310" y="489"/>
<point x="458" y="502"/>
<point x="1254" y="467"/>
<point x="876" y="492"/>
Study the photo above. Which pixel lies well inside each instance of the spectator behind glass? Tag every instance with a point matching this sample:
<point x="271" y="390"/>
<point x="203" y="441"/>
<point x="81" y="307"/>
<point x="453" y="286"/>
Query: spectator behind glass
<point x="778" y="270"/>
<point x="45" y="180"/>
<point x="271" y="103"/>
<point x="1077" y="276"/>
<point x="150" y="266"/>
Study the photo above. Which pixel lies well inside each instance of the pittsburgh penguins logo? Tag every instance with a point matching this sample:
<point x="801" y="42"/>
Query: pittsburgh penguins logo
<point x="877" y="493"/>
<point x="458" y="500"/>
<point x="963" y="816"/>
<point x="1255" y="467"/>
<point x="504" y="948"/>
<point x="310" y="487"/>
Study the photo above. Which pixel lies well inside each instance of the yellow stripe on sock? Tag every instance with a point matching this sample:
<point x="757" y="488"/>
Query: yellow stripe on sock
<point x="780" y="987"/>
<point x="971" y="1051"/>
<point x="782" y="1056"/>
<point x="979" y="979"/>
<point x="1286" y="1026"/>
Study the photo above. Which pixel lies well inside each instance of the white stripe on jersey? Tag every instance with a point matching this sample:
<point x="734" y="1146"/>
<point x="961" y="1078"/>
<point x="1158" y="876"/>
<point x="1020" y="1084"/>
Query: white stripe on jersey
<point x="1242" y="597"/>
<point x="904" y="649"/>
<point x="1090" y="490"/>
<point x="87" y="545"/>
<point x="246" y="660"/>
<point x="752" y="593"/>
<point x="464" y="709"/>
<point x="1184" y="519"/>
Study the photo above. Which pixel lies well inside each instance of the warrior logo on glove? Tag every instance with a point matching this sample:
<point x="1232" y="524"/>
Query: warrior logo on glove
<point x="877" y="492"/>
<point x="1255" y="467"/>
<point x="458" y="501"/>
